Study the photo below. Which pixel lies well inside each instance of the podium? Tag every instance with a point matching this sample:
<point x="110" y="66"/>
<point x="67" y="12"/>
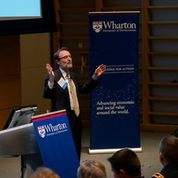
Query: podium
<point x="49" y="136"/>
<point x="21" y="141"/>
<point x="18" y="140"/>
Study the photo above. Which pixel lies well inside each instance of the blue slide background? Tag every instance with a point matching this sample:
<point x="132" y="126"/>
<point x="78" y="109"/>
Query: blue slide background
<point x="20" y="8"/>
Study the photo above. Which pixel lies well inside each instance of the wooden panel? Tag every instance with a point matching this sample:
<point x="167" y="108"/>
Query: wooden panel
<point x="10" y="92"/>
<point x="4" y="114"/>
<point x="10" y="85"/>
<point x="9" y="55"/>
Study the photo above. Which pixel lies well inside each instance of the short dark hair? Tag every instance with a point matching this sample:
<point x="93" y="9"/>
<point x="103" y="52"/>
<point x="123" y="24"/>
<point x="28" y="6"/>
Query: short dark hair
<point x="169" y="148"/>
<point x="127" y="160"/>
<point x="56" y="54"/>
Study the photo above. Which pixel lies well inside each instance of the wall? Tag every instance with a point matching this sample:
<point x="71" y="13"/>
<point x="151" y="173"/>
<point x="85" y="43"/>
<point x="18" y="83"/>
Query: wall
<point x="10" y="83"/>
<point x="34" y="54"/>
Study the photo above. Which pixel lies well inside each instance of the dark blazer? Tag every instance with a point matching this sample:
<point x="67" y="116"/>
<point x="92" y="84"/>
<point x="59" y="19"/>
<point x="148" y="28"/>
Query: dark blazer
<point x="60" y="100"/>
<point x="170" y="170"/>
<point x="59" y="96"/>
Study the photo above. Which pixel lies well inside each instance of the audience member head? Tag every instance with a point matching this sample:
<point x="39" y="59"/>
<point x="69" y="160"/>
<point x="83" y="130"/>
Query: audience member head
<point x="125" y="164"/>
<point x="44" y="172"/>
<point x="91" y="169"/>
<point x="168" y="149"/>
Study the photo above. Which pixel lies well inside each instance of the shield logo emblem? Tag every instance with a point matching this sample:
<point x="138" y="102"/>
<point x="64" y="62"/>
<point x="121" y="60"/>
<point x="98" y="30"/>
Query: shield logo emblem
<point x="97" y="26"/>
<point x="41" y="131"/>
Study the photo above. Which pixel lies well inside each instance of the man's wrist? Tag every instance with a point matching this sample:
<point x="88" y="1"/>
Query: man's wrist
<point x="51" y="79"/>
<point x="50" y="83"/>
<point x="94" y="77"/>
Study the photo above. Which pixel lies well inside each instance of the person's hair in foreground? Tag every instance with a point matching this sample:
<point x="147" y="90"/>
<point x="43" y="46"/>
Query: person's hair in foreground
<point x="91" y="169"/>
<point x="168" y="155"/>
<point x="44" y="172"/>
<point x="125" y="164"/>
<point x="168" y="149"/>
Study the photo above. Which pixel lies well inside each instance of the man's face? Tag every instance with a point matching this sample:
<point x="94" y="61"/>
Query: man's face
<point x="65" y="60"/>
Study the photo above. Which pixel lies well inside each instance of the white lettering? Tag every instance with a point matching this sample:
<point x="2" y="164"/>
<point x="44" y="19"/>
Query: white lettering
<point x="54" y="128"/>
<point x="118" y="26"/>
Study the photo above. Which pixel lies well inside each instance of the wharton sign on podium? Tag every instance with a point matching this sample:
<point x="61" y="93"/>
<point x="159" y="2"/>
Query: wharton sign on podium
<point x="56" y="144"/>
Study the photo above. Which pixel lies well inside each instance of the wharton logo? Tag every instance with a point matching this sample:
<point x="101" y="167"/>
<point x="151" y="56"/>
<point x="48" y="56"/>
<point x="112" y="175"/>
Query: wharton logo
<point x="49" y="129"/>
<point x="111" y="26"/>
<point x="97" y="26"/>
<point x="41" y="131"/>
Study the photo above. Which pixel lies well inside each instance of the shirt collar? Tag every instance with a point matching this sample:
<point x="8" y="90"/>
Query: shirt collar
<point x="64" y="73"/>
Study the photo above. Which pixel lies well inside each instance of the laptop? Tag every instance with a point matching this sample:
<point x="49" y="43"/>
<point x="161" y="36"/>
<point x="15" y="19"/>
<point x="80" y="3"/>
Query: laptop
<point x="20" y="116"/>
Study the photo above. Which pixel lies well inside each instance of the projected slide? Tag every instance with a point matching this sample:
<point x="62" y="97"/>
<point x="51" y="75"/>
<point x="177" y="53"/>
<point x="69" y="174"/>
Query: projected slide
<point x="19" y="9"/>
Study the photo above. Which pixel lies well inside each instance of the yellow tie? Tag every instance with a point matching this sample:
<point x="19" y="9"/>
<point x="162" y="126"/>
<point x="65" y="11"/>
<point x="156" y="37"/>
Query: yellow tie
<point x="74" y="96"/>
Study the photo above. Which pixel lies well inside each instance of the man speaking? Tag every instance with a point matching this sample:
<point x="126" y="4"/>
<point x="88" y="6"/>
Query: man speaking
<point x="62" y="87"/>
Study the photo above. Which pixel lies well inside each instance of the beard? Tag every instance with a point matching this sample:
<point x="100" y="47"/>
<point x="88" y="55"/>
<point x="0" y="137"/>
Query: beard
<point x="66" y="67"/>
<point x="69" y="66"/>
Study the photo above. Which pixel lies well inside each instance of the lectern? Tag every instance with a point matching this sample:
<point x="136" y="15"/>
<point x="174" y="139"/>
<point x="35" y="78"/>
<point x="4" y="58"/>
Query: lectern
<point x="50" y="137"/>
<point x="18" y="136"/>
<point x="18" y="140"/>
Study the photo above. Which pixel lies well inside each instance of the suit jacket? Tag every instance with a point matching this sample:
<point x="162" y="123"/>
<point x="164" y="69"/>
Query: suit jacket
<point x="60" y="97"/>
<point x="168" y="171"/>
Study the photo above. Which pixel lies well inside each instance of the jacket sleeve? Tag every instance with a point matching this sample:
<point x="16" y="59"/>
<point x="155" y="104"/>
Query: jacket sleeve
<point x="84" y="87"/>
<point x="47" y="92"/>
<point x="88" y="86"/>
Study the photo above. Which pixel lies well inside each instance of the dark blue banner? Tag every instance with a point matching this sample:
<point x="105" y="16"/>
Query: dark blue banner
<point x="115" y="121"/>
<point x="56" y="144"/>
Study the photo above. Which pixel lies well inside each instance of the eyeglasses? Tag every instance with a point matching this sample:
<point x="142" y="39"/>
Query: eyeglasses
<point x="65" y="57"/>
